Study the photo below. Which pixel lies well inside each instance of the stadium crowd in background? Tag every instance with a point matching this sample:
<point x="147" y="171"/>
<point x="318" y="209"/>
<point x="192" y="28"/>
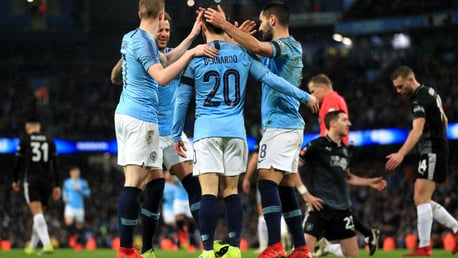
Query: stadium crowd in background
<point x="89" y="116"/>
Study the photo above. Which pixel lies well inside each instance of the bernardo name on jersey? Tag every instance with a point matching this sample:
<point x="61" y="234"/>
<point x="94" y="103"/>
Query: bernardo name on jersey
<point x="220" y="60"/>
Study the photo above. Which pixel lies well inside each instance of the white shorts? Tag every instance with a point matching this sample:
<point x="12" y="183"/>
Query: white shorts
<point x="138" y="142"/>
<point x="279" y="149"/>
<point x="168" y="216"/>
<point x="76" y="214"/>
<point x="227" y="156"/>
<point x="169" y="154"/>
<point x="181" y="207"/>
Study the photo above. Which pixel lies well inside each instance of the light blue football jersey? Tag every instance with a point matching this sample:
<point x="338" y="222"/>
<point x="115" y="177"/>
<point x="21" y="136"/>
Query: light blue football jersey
<point x="75" y="197"/>
<point x="167" y="96"/>
<point x="168" y="196"/>
<point x="277" y="109"/>
<point x="181" y="193"/>
<point x="139" y="96"/>
<point x="220" y="84"/>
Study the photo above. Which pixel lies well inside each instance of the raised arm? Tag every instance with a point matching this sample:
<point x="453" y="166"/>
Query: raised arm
<point x="260" y="72"/>
<point x="165" y="75"/>
<point x="179" y="50"/>
<point x="217" y="18"/>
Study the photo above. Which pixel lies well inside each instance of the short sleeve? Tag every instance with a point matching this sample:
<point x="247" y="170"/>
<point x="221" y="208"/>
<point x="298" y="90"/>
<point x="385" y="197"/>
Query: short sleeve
<point x="146" y="52"/>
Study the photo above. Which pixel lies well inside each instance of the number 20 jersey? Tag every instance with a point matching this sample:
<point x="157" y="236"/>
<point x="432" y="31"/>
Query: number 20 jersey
<point x="220" y="85"/>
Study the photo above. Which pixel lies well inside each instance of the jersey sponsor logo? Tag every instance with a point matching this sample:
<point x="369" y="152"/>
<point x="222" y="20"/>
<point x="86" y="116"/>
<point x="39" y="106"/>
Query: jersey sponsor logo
<point x="220" y="60"/>
<point x="338" y="161"/>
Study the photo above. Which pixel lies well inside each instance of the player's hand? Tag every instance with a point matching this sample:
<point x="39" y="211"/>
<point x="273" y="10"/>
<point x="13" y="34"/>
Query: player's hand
<point x="378" y="183"/>
<point x="246" y="185"/>
<point x="16" y="186"/>
<point x="205" y="50"/>
<point x="215" y="17"/>
<point x="315" y="203"/>
<point x="394" y="160"/>
<point x="180" y="148"/>
<point x="195" y="31"/>
<point x="56" y="193"/>
<point x="313" y="104"/>
<point x="247" y="26"/>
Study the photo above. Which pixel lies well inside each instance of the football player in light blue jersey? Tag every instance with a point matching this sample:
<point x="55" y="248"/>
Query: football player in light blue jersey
<point x="74" y="190"/>
<point x="282" y="124"/>
<point x="181" y="167"/>
<point x="219" y="136"/>
<point x="168" y="216"/>
<point x="137" y="131"/>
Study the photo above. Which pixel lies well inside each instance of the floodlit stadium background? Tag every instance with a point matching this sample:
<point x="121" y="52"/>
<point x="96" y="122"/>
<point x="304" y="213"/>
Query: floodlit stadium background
<point x="57" y="56"/>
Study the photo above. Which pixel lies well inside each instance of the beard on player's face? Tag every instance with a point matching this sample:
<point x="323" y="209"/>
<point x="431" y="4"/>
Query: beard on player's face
<point x="267" y="34"/>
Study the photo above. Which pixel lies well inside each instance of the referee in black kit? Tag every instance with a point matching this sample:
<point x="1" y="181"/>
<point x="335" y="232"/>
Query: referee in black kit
<point x="36" y="171"/>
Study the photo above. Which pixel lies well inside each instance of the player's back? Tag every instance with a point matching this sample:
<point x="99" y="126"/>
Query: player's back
<point x="279" y="110"/>
<point x="139" y="96"/>
<point x="37" y="152"/>
<point x="220" y="85"/>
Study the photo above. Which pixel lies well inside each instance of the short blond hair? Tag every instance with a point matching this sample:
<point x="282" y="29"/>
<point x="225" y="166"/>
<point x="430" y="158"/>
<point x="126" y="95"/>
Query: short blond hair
<point x="321" y="79"/>
<point x="150" y="9"/>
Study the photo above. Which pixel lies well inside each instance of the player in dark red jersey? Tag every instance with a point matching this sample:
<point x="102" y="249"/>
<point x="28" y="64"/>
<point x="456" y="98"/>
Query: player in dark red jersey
<point x="428" y="134"/>
<point x="36" y="163"/>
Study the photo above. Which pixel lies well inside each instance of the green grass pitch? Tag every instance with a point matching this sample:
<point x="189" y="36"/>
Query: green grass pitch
<point x="108" y="253"/>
